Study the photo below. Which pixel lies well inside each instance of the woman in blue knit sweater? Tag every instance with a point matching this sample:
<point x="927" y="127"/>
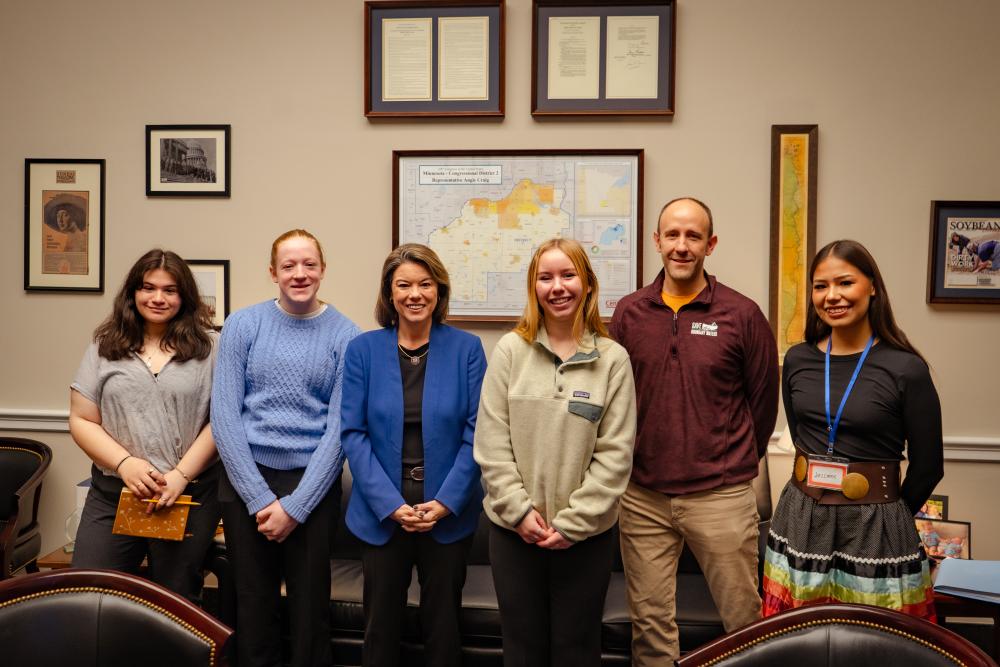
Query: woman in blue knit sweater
<point x="276" y="421"/>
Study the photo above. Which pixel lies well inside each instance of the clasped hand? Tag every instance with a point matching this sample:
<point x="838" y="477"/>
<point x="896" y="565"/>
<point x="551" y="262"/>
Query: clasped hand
<point x="420" y="518"/>
<point x="534" y="530"/>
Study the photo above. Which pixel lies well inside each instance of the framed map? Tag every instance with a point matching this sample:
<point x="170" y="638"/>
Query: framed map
<point x="485" y="212"/>
<point x="794" y="150"/>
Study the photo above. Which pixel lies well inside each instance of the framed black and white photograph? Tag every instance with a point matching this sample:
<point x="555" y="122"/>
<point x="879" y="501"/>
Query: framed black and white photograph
<point x="434" y="58"/>
<point x="188" y="160"/>
<point x="64" y="225"/>
<point x="964" y="262"/>
<point x="212" y="276"/>
<point x="600" y="58"/>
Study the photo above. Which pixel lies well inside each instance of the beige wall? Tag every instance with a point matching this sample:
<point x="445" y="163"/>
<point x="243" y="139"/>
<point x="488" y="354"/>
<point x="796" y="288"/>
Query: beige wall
<point x="904" y="93"/>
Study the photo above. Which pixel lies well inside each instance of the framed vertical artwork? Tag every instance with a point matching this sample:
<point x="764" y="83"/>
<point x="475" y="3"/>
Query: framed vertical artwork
<point x="600" y="58"/>
<point x="434" y="58"/>
<point x="964" y="262"/>
<point x="794" y="150"/>
<point x="936" y="507"/>
<point x="188" y="161"/>
<point x="212" y="277"/>
<point x="64" y="225"/>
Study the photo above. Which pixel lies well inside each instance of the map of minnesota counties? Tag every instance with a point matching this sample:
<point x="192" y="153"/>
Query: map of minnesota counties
<point x="485" y="217"/>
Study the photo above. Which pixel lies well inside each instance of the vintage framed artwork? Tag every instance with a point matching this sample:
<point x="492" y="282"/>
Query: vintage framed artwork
<point x="212" y="276"/>
<point x="945" y="539"/>
<point x="434" y="58"/>
<point x="964" y="262"/>
<point x="485" y="212"/>
<point x="599" y="58"/>
<point x="794" y="154"/>
<point x="64" y="225"/>
<point x="188" y="160"/>
<point x="936" y="507"/>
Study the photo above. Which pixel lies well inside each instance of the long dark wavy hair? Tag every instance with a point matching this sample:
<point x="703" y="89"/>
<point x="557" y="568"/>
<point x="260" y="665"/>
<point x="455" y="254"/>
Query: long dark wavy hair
<point x="122" y="332"/>
<point x="880" y="315"/>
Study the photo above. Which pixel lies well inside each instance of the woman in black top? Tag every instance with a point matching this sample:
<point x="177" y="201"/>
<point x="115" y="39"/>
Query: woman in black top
<point x="843" y="530"/>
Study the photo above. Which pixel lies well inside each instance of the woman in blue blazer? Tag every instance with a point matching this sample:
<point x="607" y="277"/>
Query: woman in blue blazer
<point x="411" y="394"/>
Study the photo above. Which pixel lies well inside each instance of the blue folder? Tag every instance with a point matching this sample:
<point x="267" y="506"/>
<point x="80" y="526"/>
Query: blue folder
<point x="975" y="579"/>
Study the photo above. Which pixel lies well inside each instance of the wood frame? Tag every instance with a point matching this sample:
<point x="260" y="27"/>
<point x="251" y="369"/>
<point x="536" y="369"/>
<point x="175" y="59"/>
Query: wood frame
<point x="156" y="186"/>
<point x="457" y="313"/>
<point x="790" y="256"/>
<point x="219" y="267"/>
<point x="977" y="221"/>
<point x="64" y="204"/>
<point x="493" y="106"/>
<point x="663" y="105"/>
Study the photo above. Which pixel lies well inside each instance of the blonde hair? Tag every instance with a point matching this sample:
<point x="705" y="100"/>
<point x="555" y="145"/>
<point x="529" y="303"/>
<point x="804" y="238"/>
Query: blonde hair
<point x="385" y="312"/>
<point x="292" y="233"/>
<point x="587" y="317"/>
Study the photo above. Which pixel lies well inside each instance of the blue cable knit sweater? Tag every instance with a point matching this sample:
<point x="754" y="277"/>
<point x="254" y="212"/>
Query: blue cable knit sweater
<point x="276" y="402"/>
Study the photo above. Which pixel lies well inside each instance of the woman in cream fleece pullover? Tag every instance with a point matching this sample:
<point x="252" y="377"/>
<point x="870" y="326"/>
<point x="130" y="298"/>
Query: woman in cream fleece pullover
<point x="554" y="440"/>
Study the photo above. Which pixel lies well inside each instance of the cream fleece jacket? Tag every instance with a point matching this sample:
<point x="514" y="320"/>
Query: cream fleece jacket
<point x="554" y="437"/>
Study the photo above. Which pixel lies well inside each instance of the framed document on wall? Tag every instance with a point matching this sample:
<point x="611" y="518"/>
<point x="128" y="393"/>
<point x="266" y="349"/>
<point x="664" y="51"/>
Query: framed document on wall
<point x="964" y="263"/>
<point x="431" y="58"/>
<point x="592" y="57"/>
<point x="485" y="213"/>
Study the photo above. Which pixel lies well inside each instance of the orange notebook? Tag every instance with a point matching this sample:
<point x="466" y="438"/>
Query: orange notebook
<point x="164" y="524"/>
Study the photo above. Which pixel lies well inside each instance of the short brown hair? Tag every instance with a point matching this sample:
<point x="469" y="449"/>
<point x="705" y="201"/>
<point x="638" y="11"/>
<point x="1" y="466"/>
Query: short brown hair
<point x="385" y="313"/>
<point x="703" y="205"/>
<point x="587" y="316"/>
<point x="292" y="233"/>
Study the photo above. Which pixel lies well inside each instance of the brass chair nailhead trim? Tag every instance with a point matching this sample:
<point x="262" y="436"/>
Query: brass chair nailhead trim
<point x="21" y="449"/>
<point x="845" y="621"/>
<point x="128" y="596"/>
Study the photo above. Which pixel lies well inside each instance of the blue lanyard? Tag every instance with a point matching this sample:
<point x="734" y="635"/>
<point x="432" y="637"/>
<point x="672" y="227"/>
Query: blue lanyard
<point x="831" y="427"/>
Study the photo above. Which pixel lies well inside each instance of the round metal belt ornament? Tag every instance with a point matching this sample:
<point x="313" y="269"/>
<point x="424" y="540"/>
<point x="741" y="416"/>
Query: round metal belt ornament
<point x="800" y="468"/>
<point x="855" y="486"/>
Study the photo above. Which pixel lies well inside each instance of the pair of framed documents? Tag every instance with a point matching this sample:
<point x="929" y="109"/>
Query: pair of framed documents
<point x="592" y="57"/>
<point x="434" y="58"/>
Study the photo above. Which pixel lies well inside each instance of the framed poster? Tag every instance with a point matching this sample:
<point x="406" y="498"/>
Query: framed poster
<point x="212" y="277"/>
<point x="63" y="225"/>
<point x="964" y="262"/>
<point x="794" y="155"/>
<point x="594" y="58"/>
<point x="945" y="539"/>
<point x="188" y="160"/>
<point x="485" y="212"/>
<point x="428" y="58"/>
<point x="936" y="507"/>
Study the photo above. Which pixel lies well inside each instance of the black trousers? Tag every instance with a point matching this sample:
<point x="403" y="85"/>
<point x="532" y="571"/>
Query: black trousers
<point x="388" y="569"/>
<point x="551" y="602"/>
<point x="259" y="565"/>
<point x="174" y="565"/>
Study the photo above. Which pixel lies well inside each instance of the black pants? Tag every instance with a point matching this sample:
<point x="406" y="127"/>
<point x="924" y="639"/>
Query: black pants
<point x="174" y="565"/>
<point x="388" y="569"/>
<point x="551" y="602"/>
<point x="259" y="566"/>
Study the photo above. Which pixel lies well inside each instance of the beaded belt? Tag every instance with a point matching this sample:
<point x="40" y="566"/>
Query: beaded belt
<point x="866" y="482"/>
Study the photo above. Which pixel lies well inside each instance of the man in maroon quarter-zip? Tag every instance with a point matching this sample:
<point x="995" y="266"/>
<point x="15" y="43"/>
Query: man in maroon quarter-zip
<point x="706" y="376"/>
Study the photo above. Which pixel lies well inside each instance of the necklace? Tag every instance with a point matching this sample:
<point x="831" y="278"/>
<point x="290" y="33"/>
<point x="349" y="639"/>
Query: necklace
<point x="414" y="358"/>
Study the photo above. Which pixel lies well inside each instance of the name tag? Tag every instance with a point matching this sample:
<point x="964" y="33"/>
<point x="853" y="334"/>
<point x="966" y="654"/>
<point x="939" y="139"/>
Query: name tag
<point x="826" y="472"/>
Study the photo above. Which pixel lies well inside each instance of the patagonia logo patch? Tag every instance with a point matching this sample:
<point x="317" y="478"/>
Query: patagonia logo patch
<point x="581" y="394"/>
<point x="704" y="329"/>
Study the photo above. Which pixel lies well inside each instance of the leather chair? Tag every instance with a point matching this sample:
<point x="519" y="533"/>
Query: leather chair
<point x="100" y="618"/>
<point x="23" y="464"/>
<point x="840" y="635"/>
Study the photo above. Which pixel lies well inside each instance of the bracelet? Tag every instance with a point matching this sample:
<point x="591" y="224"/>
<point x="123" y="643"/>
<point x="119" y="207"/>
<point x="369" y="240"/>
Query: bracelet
<point x="127" y="456"/>
<point x="186" y="478"/>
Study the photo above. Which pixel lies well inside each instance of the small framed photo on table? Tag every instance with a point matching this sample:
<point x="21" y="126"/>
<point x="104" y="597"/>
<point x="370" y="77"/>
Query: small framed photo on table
<point x="212" y="277"/>
<point x="599" y="58"/>
<point x="964" y="263"/>
<point x="63" y="225"/>
<point x="188" y="161"/>
<point x="945" y="539"/>
<point x="434" y="58"/>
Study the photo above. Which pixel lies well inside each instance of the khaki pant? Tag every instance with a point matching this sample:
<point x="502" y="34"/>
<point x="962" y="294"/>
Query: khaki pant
<point x="720" y="526"/>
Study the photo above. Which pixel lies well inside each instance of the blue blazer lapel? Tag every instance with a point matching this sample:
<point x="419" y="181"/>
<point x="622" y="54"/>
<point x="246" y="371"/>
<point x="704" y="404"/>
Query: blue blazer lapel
<point x="388" y="386"/>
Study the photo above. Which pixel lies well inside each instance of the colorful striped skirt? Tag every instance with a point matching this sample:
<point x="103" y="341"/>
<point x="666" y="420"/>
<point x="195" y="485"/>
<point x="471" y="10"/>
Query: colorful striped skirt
<point x="865" y="554"/>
